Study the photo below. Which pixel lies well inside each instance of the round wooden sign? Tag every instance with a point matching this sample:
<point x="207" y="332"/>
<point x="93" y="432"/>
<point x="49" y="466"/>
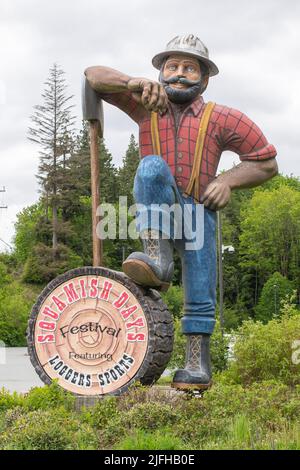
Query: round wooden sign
<point x="96" y="332"/>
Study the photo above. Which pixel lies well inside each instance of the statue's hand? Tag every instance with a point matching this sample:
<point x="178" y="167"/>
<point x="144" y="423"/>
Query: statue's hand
<point x="149" y="93"/>
<point x="216" y="195"/>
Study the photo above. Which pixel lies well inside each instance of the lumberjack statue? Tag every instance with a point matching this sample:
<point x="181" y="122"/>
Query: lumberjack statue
<point x="181" y="142"/>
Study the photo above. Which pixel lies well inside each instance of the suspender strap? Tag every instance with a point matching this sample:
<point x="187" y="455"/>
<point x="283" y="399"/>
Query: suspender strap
<point x="193" y="187"/>
<point x="155" y="134"/>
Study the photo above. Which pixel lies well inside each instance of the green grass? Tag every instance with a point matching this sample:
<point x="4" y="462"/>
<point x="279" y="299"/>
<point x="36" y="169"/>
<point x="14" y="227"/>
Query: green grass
<point x="161" y="439"/>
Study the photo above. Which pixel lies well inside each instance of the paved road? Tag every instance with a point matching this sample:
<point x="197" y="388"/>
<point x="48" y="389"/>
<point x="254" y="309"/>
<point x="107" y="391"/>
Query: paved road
<point x="17" y="373"/>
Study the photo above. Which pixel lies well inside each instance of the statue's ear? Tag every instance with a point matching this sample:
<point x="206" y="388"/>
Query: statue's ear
<point x="205" y="81"/>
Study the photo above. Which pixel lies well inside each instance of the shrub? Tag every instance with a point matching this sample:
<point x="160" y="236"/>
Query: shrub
<point x="47" y="430"/>
<point x="173" y="298"/>
<point x="10" y="400"/>
<point x="140" y="409"/>
<point x="161" y="439"/>
<point x="264" y="352"/>
<point x="149" y="416"/>
<point x="274" y="291"/>
<point x="15" y="305"/>
<point x="100" y="415"/>
<point x="178" y="354"/>
<point x="5" y="278"/>
<point x="49" y="397"/>
<point x="219" y="349"/>
<point x="228" y="416"/>
<point x="234" y="417"/>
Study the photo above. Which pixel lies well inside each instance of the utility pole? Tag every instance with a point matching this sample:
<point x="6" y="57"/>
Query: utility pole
<point x="3" y="190"/>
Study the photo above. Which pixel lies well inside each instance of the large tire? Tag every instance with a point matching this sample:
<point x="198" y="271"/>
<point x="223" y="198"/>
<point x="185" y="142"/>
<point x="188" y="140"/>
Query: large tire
<point x="150" y="355"/>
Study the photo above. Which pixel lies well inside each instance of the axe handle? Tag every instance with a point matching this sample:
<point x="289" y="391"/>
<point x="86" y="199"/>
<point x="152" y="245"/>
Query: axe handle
<point x="95" y="190"/>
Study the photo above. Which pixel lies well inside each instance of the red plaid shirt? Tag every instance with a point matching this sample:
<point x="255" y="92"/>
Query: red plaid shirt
<point x="228" y="129"/>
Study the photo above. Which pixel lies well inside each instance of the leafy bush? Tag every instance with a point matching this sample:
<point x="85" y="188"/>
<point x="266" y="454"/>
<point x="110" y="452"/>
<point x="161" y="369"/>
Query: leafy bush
<point x="161" y="439"/>
<point x="178" y="354"/>
<point x="234" y="417"/>
<point x="9" y="400"/>
<point x="274" y="291"/>
<point x="150" y="415"/>
<point x="104" y="411"/>
<point x="47" y="430"/>
<point x="49" y="397"/>
<point x="173" y="298"/>
<point x="5" y="278"/>
<point x="219" y="345"/>
<point x="229" y="416"/>
<point x="15" y="304"/>
<point x="264" y="352"/>
<point x="38" y="398"/>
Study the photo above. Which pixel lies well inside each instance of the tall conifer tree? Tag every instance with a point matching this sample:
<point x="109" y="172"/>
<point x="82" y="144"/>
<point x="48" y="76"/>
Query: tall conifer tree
<point x="52" y="130"/>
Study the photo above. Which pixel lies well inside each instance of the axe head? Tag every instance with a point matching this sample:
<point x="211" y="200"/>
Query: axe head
<point x="92" y="107"/>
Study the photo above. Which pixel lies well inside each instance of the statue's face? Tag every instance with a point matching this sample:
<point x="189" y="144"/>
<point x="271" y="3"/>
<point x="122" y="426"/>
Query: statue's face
<point x="182" y="66"/>
<point x="182" y="78"/>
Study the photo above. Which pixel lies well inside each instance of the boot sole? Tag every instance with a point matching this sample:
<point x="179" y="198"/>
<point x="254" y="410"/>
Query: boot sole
<point x="183" y="386"/>
<point x="142" y="274"/>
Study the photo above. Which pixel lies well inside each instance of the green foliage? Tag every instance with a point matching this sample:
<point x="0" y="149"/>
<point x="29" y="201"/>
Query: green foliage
<point x="16" y="301"/>
<point x="47" y="430"/>
<point x="264" y="352"/>
<point x="173" y="298"/>
<point x="38" y="398"/>
<point x="100" y="415"/>
<point x="234" y="315"/>
<point x="262" y="415"/>
<point x="262" y="226"/>
<point x="274" y="291"/>
<point x="150" y="415"/>
<point x="233" y="417"/>
<point x="161" y="439"/>
<point x="42" y="267"/>
<point x="5" y="278"/>
<point x="109" y="188"/>
<point x="178" y="354"/>
<point x="270" y="232"/>
<point x="49" y="397"/>
<point x="127" y="172"/>
<point x="219" y="349"/>
<point x="10" y="400"/>
<point x="25" y="227"/>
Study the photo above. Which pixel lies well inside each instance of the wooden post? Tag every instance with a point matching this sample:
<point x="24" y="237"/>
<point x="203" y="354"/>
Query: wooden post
<point x="95" y="189"/>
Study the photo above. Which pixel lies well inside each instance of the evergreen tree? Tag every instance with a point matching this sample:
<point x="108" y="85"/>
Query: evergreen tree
<point x="53" y="131"/>
<point x="127" y="171"/>
<point x="109" y="188"/>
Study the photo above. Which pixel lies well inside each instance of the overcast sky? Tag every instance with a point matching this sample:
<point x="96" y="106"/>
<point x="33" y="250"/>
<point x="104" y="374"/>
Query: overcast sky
<point x="256" y="46"/>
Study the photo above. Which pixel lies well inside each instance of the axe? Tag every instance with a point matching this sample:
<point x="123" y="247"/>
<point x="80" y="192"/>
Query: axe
<point x="92" y="111"/>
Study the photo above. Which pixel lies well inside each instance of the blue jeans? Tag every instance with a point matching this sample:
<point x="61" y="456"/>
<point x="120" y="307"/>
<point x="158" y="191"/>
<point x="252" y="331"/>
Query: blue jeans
<point x="155" y="184"/>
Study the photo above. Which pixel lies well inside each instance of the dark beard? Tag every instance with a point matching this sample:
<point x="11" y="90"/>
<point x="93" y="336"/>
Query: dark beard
<point x="181" y="96"/>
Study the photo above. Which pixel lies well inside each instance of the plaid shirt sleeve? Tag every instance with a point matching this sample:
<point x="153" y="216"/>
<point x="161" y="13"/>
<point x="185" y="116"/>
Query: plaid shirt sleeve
<point x="243" y="136"/>
<point x="125" y="102"/>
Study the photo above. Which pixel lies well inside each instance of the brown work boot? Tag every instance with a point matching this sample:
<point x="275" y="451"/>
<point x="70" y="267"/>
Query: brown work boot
<point x="154" y="267"/>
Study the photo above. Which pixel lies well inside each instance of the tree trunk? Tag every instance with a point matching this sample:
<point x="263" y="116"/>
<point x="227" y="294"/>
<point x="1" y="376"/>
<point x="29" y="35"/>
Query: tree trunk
<point x="54" y="229"/>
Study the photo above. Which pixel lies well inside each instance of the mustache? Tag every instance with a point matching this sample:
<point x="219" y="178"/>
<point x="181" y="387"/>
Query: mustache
<point x="182" y="80"/>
